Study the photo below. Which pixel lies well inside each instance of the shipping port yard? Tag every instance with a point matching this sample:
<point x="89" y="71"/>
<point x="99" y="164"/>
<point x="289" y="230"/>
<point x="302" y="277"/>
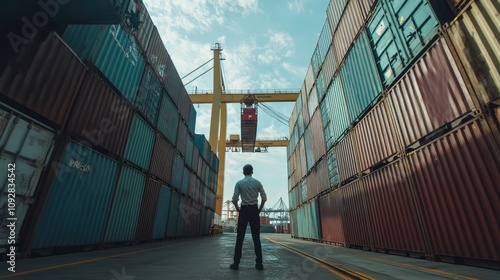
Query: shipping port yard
<point x="392" y="151"/>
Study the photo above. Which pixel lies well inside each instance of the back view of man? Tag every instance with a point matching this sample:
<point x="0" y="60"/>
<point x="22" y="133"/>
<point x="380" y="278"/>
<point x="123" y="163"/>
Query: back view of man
<point x="249" y="189"/>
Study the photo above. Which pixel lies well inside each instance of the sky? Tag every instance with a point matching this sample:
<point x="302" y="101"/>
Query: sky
<point x="266" y="44"/>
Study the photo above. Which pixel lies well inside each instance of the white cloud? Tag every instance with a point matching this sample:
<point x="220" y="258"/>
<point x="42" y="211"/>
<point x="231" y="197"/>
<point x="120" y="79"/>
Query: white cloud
<point x="296" y="6"/>
<point x="279" y="45"/>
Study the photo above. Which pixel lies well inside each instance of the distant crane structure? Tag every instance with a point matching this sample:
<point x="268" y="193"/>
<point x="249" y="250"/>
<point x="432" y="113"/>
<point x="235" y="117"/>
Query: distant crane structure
<point x="218" y="123"/>
<point x="278" y="213"/>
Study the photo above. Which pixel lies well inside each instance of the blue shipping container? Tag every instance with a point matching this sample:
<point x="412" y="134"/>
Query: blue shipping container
<point x="173" y="214"/>
<point x="162" y="210"/>
<point x="168" y="119"/>
<point x="336" y="112"/>
<point x="79" y="199"/>
<point x="112" y="50"/>
<point x="122" y="223"/>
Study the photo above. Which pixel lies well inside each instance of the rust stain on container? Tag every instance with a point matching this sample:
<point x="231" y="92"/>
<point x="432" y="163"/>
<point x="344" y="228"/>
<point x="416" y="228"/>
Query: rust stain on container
<point x="101" y="116"/>
<point x="457" y="183"/>
<point x="431" y="94"/>
<point x="376" y="137"/>
<point x="162" y="159"/>
<point x="356" y="222"/>
<point x="392" y="211"/>
<point x="147" y="213"/>
<point x="347" y="157"/>
<point x="330" y="210"/>
<point x="45" y="78"/>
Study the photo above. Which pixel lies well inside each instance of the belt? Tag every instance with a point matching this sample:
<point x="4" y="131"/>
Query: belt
<point x="248" y="205"/>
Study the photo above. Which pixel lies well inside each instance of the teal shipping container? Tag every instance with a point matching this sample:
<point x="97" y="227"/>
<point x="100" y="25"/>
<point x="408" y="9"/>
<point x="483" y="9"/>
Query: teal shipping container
<point x="173" y="215"/>
<point x="336" y="112"/>
<point x="399" y="31"/>
<point x="25" y="148"/>
<point x="140" y="143"/>
<point x="192" y="119"/>
<point x="189" y="151"/>
<point x="360" y="78"/>
<point x="112" y="50"/>
<point x="168" y="119"/>
<point x="149" y="95"/>
<point x="79" y="199"/>
<point x="308" y="221"/>
<point x="122" y="222"/>
<point x="160" y="225"/>
<point x="178" y="172"/>
<point x="333" y="169"/>
<point x="185" y="180"/>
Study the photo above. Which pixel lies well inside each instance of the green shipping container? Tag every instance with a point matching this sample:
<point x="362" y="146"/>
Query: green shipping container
<point x="162" y="211"/>
<point x="168" y="119"/>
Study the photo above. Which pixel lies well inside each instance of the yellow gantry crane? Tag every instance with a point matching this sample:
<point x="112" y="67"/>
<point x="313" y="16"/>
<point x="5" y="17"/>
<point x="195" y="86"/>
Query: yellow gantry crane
<point x="219" y="99"/>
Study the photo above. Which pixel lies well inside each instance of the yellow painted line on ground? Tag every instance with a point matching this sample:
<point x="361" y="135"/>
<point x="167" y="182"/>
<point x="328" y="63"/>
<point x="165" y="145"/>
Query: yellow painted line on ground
<point x="424" y="268"/>
<point x="337" y="268"/>
<point x="80" y="262"/>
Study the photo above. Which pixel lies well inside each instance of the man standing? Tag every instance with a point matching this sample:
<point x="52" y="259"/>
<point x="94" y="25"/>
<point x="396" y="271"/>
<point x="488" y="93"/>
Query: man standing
<point x="249" y="189"/>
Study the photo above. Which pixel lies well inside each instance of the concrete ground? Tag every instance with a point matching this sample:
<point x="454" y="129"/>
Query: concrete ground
<point x="210" y="257"/>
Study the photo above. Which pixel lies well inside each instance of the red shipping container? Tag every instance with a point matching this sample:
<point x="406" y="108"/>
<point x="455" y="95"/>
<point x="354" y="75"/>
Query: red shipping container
<point x="347" y="157"/>
<point x="147" y="212"/>
<point x="264" y="220"/>
<point x="162" y="159"/>
<point x="355" y="218"/>
<point x="330" y="212"/>
<point x="248" y="114"/>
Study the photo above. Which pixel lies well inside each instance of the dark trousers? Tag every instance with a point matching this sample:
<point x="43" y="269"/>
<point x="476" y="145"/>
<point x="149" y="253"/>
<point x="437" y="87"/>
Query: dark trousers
<point x="248" y="214"/>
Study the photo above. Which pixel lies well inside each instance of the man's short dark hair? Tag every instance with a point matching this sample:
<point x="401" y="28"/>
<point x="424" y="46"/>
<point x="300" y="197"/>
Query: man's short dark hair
<point x="247" y="169"/>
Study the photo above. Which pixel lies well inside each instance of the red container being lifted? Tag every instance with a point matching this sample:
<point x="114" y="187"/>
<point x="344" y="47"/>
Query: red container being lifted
<point x="248" y="128"/>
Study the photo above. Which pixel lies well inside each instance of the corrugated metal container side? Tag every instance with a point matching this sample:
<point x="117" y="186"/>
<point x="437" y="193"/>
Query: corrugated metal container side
<point x="112" y="50"/>
<point x="303" y="191"/>
<point x="173" y="215"/>
<point x="366" y="7"/>
<point x="399" y="31"/>
<point x="101" y="116"/>
<point x="328" y="70"/>
<point x="157" y="55"/>
<point x="360" y="78"/>
<point x="309" y="80"/>
<point x="177" y="172"/>
<point x="162" y="210"/>
<point x="318" y="143"/>
<point x="189" y="151"/>
<point x="431" y="94"/>
<point x="149" y="95"/>
<point x="335" y="113"/>
<point x="303" y="158"/>
<point x="185" y="180"/>
<point x="308" y="148"/>
<point x="308" y="221"/>
<point x="294" y="115"/>
<point x="376" y="137"/>
<point x="317" y="180"/>
<point x="145" y="29"/>
<point x="456" y="179"/>
<point x="168" y="119"/>
<point x="349" y="26"/>
<point x="122" y="222"/>
<point x="182" y="138"/>
<point x="173" y="83"/>
<point x="84" y="182"/>
<point x="291" y="199"/>
<point x="162" y="159"/>
<point x="184" y="104"/>
<point x="184" y="217"/>
<point x="312" y="104"/>
<point x="330" y="212"/>
<point x="196" y="158"/>
<point x="354" y="215"/>
<point x="192" y="119"/>
<point x="192" y="191"/>
<point x="140" y="143"/>
<point x="474" y="36"/>
<point x="324" y="41"/>
<point x="28" y="145"/>
<point x="44" y="78"/>
<point x="347" y="155"/>
<point x="333" y="169"/>
<point x="392" y="211"/>
<point x="316" y="61"/>
<point x="300" y="125"/>
<point x="334" y="13"/>
<point x="147" y="213"/>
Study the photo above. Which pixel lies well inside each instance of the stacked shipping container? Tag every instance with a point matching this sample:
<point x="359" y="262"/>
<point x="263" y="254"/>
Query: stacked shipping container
<point x="126" y="162"/>
<point x="409" y="119"/>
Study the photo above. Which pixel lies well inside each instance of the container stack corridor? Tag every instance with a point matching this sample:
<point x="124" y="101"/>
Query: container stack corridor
<point x="393" y="152"/>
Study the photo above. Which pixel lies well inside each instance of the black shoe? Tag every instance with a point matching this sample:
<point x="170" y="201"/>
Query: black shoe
<point x="259" y="266"/>
<point x="234" y="266"/>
